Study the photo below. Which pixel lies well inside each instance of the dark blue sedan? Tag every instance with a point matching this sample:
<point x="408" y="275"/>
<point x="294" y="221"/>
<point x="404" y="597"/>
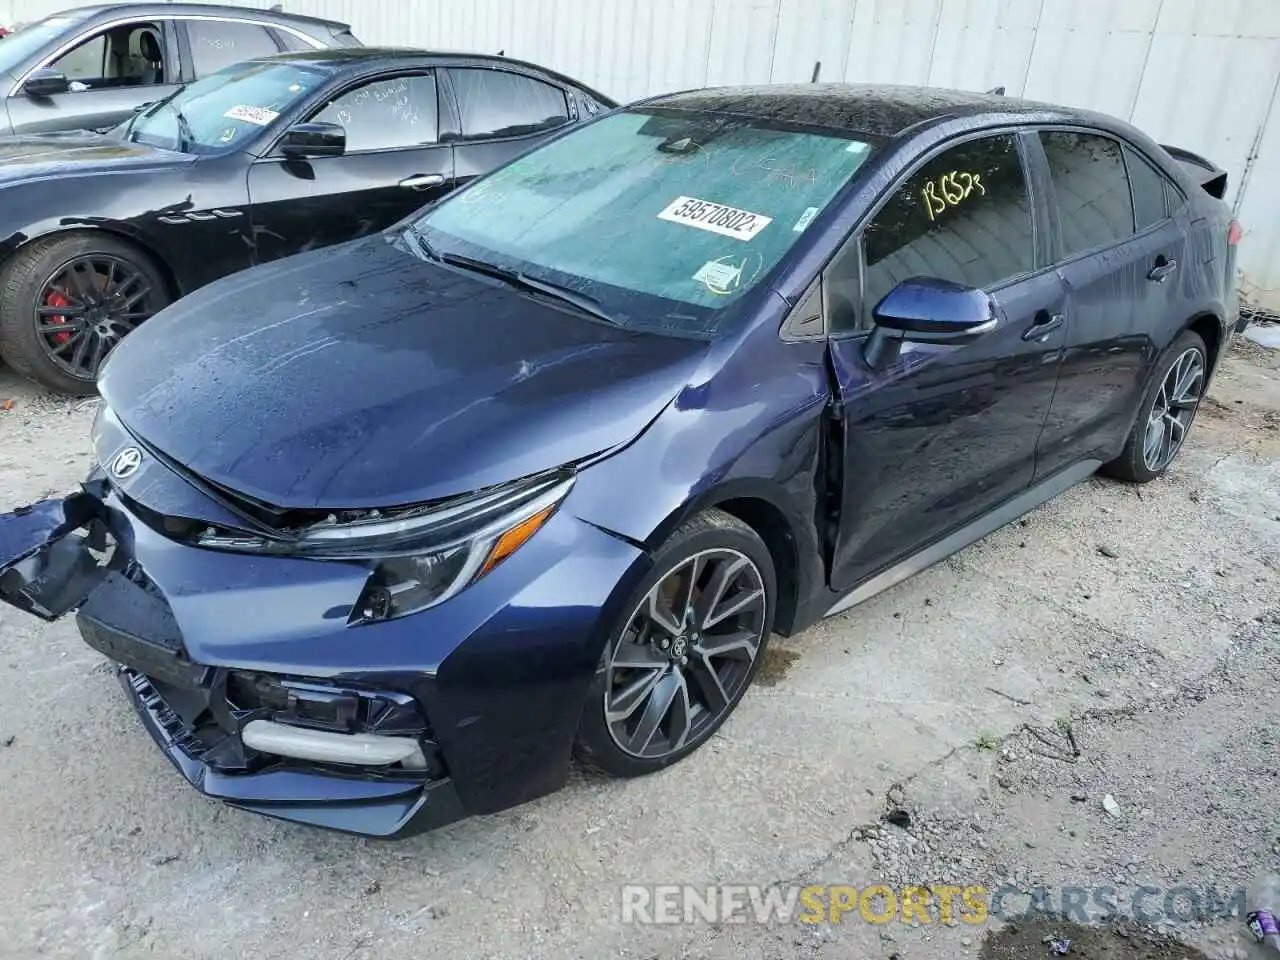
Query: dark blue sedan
<point x="382" y="534"/>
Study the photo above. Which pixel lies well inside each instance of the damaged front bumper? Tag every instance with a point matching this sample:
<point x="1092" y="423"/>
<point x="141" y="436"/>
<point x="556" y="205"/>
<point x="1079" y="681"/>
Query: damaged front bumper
<point x="75" y="553"/>
<point x="246" y="671"/>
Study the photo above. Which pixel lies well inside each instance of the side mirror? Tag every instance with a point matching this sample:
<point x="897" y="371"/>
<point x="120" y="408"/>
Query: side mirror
<point x="927" y="310"/>
<point x="304" y="140"/>
<point x="46" y="82"/>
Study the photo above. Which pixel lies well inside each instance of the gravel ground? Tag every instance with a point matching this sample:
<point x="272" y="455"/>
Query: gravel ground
<point x="1117" y="643"/>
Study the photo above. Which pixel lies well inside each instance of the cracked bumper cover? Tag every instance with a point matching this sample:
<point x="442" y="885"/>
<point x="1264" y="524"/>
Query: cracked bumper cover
<point x="495" y="676"/>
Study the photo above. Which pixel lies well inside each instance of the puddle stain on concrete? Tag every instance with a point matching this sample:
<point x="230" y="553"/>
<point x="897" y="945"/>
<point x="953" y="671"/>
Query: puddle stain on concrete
<point x="774" y="664"/>
<point x="1104" y="942"/>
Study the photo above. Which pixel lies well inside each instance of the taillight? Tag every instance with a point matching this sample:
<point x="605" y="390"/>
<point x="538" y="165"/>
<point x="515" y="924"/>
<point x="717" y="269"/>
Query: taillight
<point x="1235" y="233"/>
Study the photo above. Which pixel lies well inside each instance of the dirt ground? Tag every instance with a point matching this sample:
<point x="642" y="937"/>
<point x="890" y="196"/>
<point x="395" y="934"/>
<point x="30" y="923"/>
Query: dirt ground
<point x="1084" y="699"/>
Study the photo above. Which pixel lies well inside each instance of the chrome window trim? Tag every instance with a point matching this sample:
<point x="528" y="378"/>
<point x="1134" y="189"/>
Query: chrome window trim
<point x="122" y="21"/>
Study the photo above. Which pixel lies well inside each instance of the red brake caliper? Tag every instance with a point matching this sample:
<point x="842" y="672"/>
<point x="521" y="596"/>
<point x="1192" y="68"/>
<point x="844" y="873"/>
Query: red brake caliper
<point x="57" y="298"/>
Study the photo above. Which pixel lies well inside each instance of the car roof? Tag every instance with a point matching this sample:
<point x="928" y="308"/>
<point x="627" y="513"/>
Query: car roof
<point x="340" y="58"/>
<point x="876" y="109"/>
<point x="161" y="9"/>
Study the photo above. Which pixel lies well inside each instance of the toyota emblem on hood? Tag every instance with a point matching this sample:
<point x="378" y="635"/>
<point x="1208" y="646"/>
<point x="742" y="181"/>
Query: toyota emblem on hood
<point x="126" y="463"/>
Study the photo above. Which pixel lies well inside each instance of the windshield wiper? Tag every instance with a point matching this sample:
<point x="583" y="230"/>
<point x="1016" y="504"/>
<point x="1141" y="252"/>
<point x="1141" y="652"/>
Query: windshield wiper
<point x="420" y="241"/>
<point x="185" y="137"/>
<point x="522" y="281"/>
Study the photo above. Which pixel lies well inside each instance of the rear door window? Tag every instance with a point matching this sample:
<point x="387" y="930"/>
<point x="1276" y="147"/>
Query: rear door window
<point x="1094" y="205"/>
<point x="497" y="103"/>
<point x="965" y="216"/>
<point x="1151" y="190"/>
<point x="219" y="43"/>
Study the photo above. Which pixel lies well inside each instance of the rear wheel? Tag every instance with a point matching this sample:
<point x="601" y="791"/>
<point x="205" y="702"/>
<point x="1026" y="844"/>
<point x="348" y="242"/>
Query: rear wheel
<point x="66" y="302"/>
<point x="1167" y="411"/>
<point x="691" y="641"/>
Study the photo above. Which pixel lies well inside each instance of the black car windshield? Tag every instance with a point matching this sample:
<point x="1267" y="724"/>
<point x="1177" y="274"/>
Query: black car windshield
<point x="226" y="108"/>
<point x="663" y="218"/>
<point x="22" y="44"/>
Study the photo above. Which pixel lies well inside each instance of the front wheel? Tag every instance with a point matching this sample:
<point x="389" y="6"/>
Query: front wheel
<point x="66" y="302"/>
<point x="690" y="643"/>
<point x="1167" y="411"/>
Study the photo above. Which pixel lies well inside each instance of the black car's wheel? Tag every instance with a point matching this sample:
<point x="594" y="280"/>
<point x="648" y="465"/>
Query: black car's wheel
<point x="1167" y="411"/>
<point x="690" y="642"/>
<point x="65" y="302"/>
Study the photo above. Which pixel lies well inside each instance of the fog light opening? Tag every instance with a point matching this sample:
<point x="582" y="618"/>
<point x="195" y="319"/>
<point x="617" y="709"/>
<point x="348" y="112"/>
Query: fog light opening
<point x="362" y="749"/>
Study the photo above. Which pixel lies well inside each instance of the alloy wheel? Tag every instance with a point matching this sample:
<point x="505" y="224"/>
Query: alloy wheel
<point x="88" y="306"/>
<point x="1173" y="409"/>
<point x="686" y="654"/>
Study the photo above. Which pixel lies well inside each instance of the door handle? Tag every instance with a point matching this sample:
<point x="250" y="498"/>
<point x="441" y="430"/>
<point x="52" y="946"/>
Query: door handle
<point x="1162" y="270"/>
<point x="1044" y="324"/>
<point x="422" y="181"/>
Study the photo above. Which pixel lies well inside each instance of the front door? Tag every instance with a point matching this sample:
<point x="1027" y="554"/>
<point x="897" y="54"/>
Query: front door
<point x="394" y="164"/>
<point x="944" y="433"/>
<point x="110" y="74"/>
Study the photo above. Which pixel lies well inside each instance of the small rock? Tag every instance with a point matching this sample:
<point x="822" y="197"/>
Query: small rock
<point x="1079" y="797"/>
<point x="1109" y="804"/>
<point x="1108" y="551"/>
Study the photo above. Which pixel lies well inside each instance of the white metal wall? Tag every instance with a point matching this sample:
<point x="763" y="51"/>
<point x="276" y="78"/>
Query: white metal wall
<point x="1201" y="74"/>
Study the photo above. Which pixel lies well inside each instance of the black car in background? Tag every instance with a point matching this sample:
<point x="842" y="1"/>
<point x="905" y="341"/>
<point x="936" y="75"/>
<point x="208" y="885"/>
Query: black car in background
<point x="93" y="66"/>
<point x="261" y="160"/>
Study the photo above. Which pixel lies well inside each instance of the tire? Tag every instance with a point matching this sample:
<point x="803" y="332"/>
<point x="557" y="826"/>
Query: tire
<point x="99" y="263"/>
<point x="1135" y="463"/>
<point x="706" y="684"/>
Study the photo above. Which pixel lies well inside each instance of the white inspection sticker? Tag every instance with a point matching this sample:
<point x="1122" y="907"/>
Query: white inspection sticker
<point x="716" y="217"/>
<point x="261" y="116"/>
<point x="806" y="218"/>
<point x="719" y="277"/>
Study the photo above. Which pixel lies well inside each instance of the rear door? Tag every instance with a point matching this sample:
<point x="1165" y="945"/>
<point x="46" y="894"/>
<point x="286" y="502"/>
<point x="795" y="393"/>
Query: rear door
<point x="394" y="164"/>
<point x="946" y="432"/>
<point x="1121" y="250"/>
<point x="111" y="71"/>
<point x="501" y="114"/>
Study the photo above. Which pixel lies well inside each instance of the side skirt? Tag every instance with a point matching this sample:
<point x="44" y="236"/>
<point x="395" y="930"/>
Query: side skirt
<point x="1004" y="514"/>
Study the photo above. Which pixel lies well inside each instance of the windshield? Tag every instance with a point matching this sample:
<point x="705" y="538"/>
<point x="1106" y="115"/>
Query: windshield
<point x="21" y="45"/>
<point x="663" y="218"/>
<point x="226" y="108"/>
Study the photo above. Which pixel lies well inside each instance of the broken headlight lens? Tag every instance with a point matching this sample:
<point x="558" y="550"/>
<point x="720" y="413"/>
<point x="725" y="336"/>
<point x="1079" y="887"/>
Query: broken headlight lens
<point x="419" y="557"/>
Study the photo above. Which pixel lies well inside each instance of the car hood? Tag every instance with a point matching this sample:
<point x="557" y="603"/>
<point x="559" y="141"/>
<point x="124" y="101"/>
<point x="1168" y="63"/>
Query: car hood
<point x="362" y="376"/>
<point x="31" y="157"/>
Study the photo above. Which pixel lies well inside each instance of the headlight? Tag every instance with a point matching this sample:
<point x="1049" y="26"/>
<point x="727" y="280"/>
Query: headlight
<point x="419" y="556"/>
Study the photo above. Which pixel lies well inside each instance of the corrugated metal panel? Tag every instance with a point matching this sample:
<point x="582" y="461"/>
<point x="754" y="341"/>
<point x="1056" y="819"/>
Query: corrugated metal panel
<point x="1197" y="73"/>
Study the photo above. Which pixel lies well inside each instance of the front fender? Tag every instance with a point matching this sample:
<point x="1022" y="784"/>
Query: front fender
<point x="739" y="437"/>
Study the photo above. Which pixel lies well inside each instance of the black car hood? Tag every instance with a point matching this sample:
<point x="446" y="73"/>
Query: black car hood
<point x="35" y="157"/>
<point x="362" y="376"/>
